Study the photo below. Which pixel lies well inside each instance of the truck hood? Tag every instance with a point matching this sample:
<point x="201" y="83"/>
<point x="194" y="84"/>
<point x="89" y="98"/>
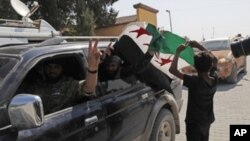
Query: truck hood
<point x="221" y="54"/>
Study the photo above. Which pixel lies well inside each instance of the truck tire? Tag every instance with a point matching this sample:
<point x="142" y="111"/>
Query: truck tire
<point x="164" y="127"/>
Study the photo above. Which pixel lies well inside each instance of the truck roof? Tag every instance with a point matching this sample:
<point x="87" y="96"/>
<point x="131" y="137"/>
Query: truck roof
<point x="20" y="50"/>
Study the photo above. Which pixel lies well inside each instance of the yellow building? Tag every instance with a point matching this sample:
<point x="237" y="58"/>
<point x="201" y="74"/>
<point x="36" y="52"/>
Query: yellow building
<point x="144" y="13"/>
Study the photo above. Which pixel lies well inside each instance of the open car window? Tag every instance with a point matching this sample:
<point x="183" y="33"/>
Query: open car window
<point x="67" y="88"/>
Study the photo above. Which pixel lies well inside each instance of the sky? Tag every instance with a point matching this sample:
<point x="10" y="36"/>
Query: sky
<point x="197" y="18"/>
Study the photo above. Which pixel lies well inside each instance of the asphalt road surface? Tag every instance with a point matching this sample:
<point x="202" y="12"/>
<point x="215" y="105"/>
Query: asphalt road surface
<point x="231" y="106"/>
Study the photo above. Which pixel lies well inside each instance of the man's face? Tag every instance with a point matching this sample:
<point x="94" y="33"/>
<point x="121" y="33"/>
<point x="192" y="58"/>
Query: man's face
<point x="53" y="71"/>
<point x="112" y="67"/>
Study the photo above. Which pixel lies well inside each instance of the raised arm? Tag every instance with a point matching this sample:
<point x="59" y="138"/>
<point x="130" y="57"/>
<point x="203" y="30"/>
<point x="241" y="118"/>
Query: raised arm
<point x="173" y="68"/>
<point x="107" y="52"/>
<point x="93" y="62"/>
<point x="195" y="44"/>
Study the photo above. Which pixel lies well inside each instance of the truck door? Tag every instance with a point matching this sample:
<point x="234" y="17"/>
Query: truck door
<point x="84" y="122"/>
<point x="127" y="111"/>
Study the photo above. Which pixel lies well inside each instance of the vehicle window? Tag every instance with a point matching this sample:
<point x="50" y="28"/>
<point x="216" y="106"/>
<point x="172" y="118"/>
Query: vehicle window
<point x="117" y="84"/>
<point x="111" y="86"/>
<point x="58" y="81"/>
<point x="6" y="64"/>
<point x="216" y="45"/>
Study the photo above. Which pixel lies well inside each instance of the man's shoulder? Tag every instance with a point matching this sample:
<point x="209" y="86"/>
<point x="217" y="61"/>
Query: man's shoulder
<point x="69" y="81"/>
<point x="69" y="85"/>
<point x="190" y="76"/>
<point x="190" y="80"/>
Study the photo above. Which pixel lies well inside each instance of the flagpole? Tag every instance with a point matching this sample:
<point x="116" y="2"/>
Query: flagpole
<point x="170" y="20"/>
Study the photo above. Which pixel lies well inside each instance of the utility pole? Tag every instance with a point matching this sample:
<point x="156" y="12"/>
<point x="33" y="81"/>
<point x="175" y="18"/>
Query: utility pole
<point x="170" y="20"/>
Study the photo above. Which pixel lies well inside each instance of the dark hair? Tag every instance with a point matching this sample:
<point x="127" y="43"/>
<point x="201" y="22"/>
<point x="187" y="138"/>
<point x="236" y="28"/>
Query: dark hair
<point x="54" y="61"/>
<point x="203" y="61"/>
<point x="113" y="59"/>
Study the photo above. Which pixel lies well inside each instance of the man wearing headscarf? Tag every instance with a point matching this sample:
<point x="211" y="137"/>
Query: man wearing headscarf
<point x="111" y="68"/>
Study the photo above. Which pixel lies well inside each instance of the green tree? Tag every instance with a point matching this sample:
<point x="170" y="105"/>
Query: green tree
<point x="84" y="19"/>
<point x="6" y="11"/>
<point x="56" y="12"/>
<point x="104" y="14"/>
<point x="94" y="13"/>
<point x="80" y="17"/>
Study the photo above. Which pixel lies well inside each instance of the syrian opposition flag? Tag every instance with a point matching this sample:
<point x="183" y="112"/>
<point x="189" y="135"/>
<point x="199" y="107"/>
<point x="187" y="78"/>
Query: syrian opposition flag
<point x="140" y="37"/>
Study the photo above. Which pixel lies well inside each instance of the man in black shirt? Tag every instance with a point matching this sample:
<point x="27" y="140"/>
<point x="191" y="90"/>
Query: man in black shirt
<point x="110" y="68"/>
<point x="201" y="90"/>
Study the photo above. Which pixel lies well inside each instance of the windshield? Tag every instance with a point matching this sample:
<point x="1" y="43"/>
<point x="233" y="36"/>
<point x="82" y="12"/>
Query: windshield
<point x="6" y="64"/>
<point x="216" y="45"/>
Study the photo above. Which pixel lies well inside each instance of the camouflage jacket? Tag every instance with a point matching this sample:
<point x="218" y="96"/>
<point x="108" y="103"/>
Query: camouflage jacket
<point x="56" y="96"/>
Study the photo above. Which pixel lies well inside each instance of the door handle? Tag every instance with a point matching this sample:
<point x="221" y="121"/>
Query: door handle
<point x="91" y="120"/>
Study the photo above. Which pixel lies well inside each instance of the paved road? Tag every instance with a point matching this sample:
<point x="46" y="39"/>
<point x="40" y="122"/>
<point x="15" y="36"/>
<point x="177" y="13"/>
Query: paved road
<point x="231" y="106"/>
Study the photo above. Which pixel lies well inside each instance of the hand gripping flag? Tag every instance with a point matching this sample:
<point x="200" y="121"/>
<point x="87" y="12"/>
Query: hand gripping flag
<point x="140" y="37"/>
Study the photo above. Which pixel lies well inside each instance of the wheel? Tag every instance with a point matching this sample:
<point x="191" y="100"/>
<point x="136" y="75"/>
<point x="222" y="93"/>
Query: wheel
<point x="233" y="78"/>
<point x="164" y="127"/>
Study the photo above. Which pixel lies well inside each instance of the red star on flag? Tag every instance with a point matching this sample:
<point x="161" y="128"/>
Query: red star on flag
<point x="140" y="32"/>
<point x="164" y="61"/>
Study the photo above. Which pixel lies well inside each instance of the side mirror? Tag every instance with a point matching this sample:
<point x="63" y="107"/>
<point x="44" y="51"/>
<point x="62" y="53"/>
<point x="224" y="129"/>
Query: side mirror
<point x="26" y="111"/>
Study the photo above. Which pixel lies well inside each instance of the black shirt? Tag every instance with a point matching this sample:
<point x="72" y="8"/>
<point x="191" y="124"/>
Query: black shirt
<point x="200" y="98"/>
